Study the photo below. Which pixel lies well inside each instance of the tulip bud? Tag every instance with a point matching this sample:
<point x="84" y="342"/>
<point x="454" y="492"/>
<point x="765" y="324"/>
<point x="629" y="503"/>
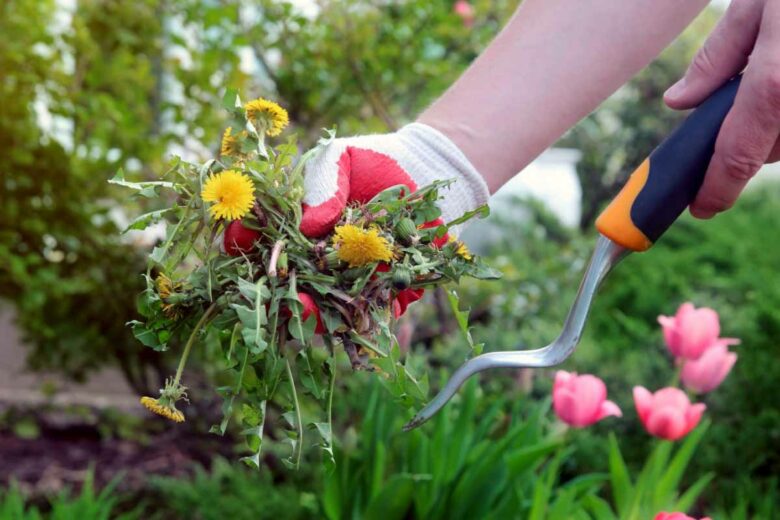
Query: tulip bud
<point x="402" y="277"/>
<point x="581" y="400"/>
<point x="406" y="231"/>
<point x="667" y="413"/>
<point x="691" y="331"/>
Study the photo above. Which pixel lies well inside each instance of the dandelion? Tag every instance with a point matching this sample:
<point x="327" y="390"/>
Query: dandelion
<point x="174" y="391"/>
<point x="230" y="144"/>
<point x="461" y="249"/>
<point x="358" y="246"/>
<point x="165" y="289"/>
<point x="232" y="192"/>
<point x="167" y="410"/>
<point x="267" y="116"/>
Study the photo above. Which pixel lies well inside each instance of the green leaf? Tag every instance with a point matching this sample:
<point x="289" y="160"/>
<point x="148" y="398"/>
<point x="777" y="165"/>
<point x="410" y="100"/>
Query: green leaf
<point x="481" y="212"/>
<point x="252" y="322"/>
<point x="599" y="507"/>
<point x="230" y="99"/>
<point x="157" y="254"/>
<point x="143" y="221"/>
<point x="146" y="336"/>
<point x="674" y="471"/>
<point x="326" y="445"/>
<point x="481" y="271"/>
<point x="247" y="289"/>
<point x="394" y="501"/>
<point x="688" y="499"/>
<point x="462" y="319"/>
<point x="530" y="457"/>
<point x="254" y="417"/>
<point x="147" y="189"/>
<point x="622" y="488"/>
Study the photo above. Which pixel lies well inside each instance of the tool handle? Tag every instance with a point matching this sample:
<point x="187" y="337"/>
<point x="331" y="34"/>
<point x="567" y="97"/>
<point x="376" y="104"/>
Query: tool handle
<point x="669" y="179"/>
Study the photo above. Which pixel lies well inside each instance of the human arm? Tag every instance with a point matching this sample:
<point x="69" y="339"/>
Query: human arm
<point x="554" y="62"/>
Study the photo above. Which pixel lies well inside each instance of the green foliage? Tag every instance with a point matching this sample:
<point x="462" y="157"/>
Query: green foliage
<point x="656" y="488"/>
<point x="727" y="264"/>
<point x="474" y="460"/>
<point x="366" y="65"/>
<point x="64" y="266"/>
<point x="752" y="501"/>
<point x="230" y="491"/>
<point x="87" y="505"/>
<point x="469" y="462"/>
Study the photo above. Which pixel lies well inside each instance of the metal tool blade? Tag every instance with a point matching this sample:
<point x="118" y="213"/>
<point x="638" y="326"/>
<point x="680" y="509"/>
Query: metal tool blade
<point x="605" y="255"/>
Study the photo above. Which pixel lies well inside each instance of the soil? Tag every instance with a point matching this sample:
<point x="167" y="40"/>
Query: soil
<point x="61" y="457"/>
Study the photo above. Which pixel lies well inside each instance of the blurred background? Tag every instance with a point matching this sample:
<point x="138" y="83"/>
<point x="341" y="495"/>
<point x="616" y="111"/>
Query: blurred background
<point x="91" y="86"/>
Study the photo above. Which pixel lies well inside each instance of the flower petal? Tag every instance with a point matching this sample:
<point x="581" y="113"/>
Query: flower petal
<point x="562" y="379"/>
<point x="643" y="400"/>
<point x="693" y="416"/>
<point x="667" y="422"/>
<point x="609" y="408"/>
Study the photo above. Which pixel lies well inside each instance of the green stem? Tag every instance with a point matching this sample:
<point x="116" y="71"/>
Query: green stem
<point x="191" y="341"/>
<point x="331" y="389"/>
<point x="676" y="376"/>
<point x="332" y="385"/>
<point x="298" y="419"/>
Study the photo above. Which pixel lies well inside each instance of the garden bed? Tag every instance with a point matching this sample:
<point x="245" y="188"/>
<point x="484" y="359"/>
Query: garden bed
<point x="57" y="457"/>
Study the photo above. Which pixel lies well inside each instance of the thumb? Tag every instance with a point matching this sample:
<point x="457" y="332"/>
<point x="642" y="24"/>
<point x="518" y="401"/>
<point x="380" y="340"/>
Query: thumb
<point x="723" y="55"/>
<point x="326" y="187"/>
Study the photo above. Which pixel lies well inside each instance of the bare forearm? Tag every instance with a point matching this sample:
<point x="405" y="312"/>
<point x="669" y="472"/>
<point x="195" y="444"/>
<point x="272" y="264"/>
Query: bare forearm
<point x="553" y="63"/>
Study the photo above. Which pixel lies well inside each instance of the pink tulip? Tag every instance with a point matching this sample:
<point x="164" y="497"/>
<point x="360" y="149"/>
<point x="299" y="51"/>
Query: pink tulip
<point x="465" y="10"/>
<point x="676" y="516"/>
<point x="581" y="400"/>
<point x="708" y="372"/>
<point x="668" y="413"/>
<point x="690" y="331"/>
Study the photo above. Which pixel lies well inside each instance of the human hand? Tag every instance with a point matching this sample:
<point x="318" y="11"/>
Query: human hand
<point x="355" y="169"/>
<point x="749" y="31"/>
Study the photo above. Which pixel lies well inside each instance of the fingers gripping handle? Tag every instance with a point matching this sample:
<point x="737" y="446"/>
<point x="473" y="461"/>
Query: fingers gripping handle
<point x="669" y="179"/>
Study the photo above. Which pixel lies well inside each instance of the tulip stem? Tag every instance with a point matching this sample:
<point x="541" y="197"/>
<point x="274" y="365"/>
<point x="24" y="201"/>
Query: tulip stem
<point x="677" y="372"/>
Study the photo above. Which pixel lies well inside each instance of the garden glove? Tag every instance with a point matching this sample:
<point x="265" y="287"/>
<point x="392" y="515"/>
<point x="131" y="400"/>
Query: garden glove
<point x="355" y="169"/>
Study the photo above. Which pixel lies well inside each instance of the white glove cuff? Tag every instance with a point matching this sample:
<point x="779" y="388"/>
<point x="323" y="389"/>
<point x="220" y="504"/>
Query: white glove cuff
<point x="435" y="157"/>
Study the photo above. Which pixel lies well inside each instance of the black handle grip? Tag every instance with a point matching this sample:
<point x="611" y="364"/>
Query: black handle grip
<point x="668" y="181"/>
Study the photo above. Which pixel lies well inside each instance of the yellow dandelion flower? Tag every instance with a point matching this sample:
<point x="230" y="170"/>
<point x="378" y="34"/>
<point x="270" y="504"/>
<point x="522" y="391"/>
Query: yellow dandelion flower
<point x="167" y="410"/>
<point x="358" y="246"/>
<point x="230" y="145"/>
<point x="267" y="116"/>
<point x="164" y="286"/>
<point x="232" y="192"/>
<point x="461" y="249"/>
<point x="167" y="288"/>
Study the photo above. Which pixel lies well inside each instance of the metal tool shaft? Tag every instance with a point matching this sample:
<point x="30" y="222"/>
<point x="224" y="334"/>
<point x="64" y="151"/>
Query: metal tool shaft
<point x="605" y="255"/>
